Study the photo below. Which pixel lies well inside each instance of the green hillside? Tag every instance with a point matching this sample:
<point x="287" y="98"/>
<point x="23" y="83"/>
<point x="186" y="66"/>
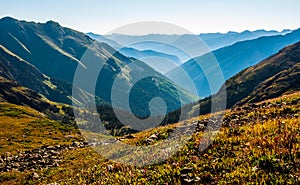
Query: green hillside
<point x="270" y="78"/>
<point x="57" y="51"/>
<point x="14" y="68"/>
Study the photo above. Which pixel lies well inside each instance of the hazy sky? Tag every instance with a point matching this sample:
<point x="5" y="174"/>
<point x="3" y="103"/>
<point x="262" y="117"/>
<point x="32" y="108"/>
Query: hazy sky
<point x="197" y="16"/>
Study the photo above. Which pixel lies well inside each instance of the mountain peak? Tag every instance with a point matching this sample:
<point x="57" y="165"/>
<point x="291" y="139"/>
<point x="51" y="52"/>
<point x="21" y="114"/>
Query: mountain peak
<point x="285" y="30"/>
<point x="52" y="23"/>
<point x="8" y="19"/>
<point x="246" y="31"/>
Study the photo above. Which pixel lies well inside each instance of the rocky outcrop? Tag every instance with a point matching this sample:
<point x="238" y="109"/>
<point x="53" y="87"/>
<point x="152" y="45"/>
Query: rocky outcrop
<point x="39" y="158"/>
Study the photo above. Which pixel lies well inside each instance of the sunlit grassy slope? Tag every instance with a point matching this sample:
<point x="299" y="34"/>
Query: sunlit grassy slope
<point x="262" y="149"/>
<point x="23" y="128"/>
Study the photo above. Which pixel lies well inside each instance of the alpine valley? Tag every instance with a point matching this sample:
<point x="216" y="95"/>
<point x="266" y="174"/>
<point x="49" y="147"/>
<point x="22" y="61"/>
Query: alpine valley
<point x="253" y="139"/>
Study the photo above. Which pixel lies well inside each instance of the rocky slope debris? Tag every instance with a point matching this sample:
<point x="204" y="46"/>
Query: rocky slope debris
<point x="39" y="158"/>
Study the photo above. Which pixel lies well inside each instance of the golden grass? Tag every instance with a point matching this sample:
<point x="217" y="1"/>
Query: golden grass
<point x="260" y="152"/>
<point x="23" y="128"/>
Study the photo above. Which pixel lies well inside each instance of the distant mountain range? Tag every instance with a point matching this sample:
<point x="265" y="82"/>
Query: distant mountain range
<point x="159" y="61"/>
<point x="158" y="48"/>
<point x="231" y="59"/>
<point x="213" y="40"/>
<point x="50" y="54"/>
<point x="219" y="40"/>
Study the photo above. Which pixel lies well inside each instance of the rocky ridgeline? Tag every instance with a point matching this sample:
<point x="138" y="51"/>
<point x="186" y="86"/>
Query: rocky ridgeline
<point x="258" y="113"/>
<point x="237" y="116"/>
<point x="186" y="129"/>
<point x="208" y="124"/>
<point x="43" y="157"/>
<point x="250" y="113"/>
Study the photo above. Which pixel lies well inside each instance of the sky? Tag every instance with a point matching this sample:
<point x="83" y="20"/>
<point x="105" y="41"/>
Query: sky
<point x="196" y="16"/>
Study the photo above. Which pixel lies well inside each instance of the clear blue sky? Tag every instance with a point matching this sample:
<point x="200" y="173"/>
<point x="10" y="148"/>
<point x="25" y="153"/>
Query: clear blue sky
<point x="198" y="16"/>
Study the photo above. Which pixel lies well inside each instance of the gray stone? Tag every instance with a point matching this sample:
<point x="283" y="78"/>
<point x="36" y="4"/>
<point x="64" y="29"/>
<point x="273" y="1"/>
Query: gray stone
<point x="50" y="148"/>
<point x="197" y="179"/>
<point x="110" y="167"/>
<point x="35" y="175"/>
<point x="188" y="180"/>
<point x="153" y="137"/>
